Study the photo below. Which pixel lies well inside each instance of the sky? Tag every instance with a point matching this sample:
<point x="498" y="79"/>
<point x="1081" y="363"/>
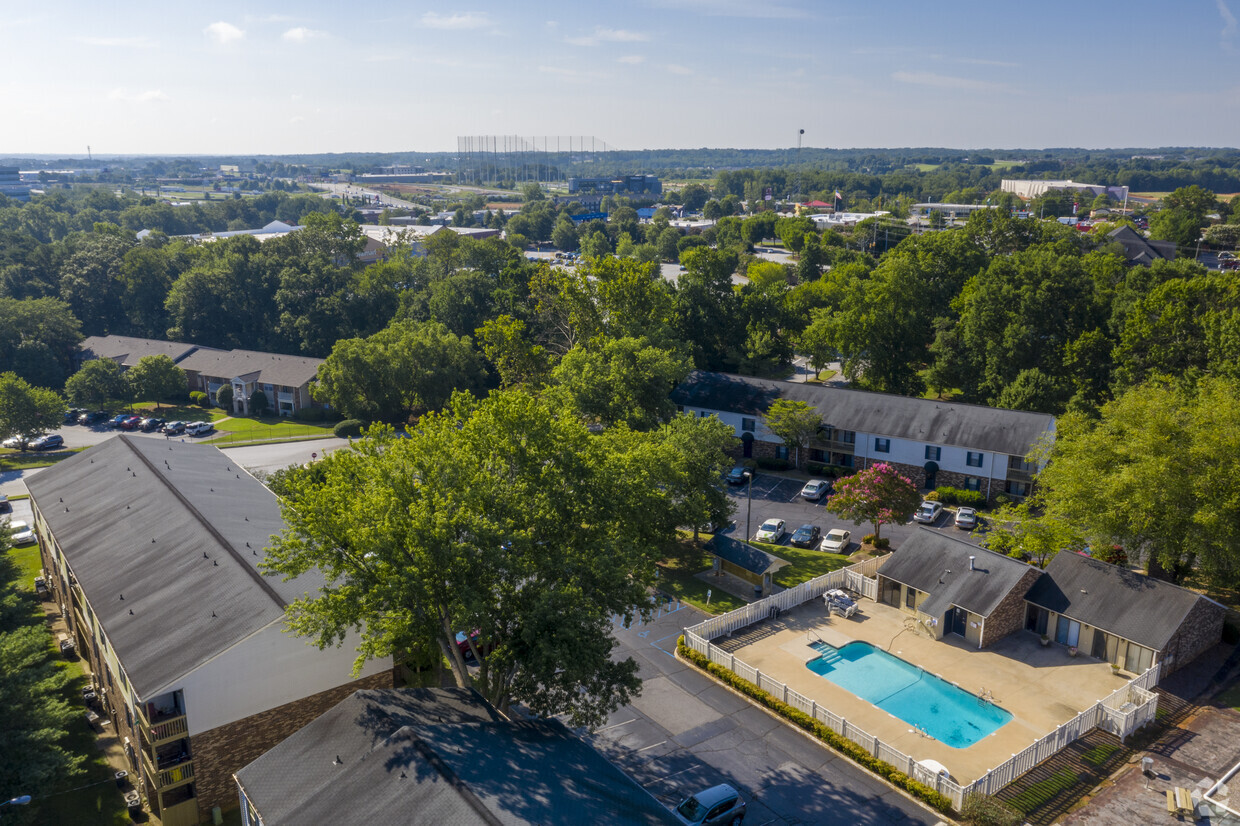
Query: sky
<point x="230" y="77"/>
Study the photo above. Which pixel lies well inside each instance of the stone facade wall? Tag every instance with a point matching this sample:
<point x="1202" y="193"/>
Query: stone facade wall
<point x="221" y="751"/>
<point x="1009" y="614"/>
<point x="942" y="479"/>
<point x="1201" y="629"/>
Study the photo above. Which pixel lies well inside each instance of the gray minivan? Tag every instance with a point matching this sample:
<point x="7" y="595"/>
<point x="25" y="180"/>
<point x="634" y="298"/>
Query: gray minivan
<point x="715" y="806"/>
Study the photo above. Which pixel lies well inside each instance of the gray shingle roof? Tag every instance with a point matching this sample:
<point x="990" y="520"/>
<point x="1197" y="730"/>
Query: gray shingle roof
<point x="972" y="426"/>
<point x="127" y="350"/>
<point x="1139" y="608"/>
<point x="272" y="368"/>
<point x="752" y="559"/>
<point x="939" y="566"/>
<point x="441" y="756"/>
<point x="177" y="529"/>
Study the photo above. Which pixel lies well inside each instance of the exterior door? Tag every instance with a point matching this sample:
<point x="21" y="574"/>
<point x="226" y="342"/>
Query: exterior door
<point x="957" y="621"/>
<point x="1067" y="632"/>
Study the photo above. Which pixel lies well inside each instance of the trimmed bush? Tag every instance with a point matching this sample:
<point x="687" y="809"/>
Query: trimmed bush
<point x="348" y="429"/>
<point x="259" y="403"/>
<point x="224" y="396"/>
<point x="932" y="496"/>
<point x="817" y="469"/>
<point x="817" y="728"/>
<point x="200" y="398"/>
<point x="984" y="810"/>
<point x="773" y="464"/>
<point x="868" y="539"/>
<point x="882" y="544"/>
<point x="960" y="496"/>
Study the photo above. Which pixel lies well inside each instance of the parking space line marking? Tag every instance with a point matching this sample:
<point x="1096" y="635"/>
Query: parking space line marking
<point x="673" y="774"/>
<point x="655" y="746"/>
<point x="617" y="725"/>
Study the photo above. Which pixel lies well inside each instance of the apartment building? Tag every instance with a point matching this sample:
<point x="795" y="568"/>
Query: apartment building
<point x="934" y="443"/>
<point x="152" y="549"/>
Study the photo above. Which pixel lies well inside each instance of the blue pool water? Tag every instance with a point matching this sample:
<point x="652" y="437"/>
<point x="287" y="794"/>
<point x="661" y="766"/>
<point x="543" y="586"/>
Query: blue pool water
<point x="949" y="714"/>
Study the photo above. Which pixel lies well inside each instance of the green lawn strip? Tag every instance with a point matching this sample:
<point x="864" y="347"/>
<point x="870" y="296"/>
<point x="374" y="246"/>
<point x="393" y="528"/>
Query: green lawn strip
<point x="1099" y="754"/>
<point x="1037" y="794"/>
<point x="260" y="429"/>
<point x="1230" y="697"/>
<point x="89" y="797"/>
<point x="806" y="563"/>
<point x="19" y="460"/>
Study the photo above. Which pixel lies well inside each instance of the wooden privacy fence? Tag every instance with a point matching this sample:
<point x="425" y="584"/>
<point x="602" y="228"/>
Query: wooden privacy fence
<point x="1122" y="712"/>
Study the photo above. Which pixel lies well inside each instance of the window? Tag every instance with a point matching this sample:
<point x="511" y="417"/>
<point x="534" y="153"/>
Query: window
<point x="933" y="453"/>
<point x="847" y="437"/>
<point x="1018" y="488"/>
<point x="882" y="445"/>
<point x="781" y="451"/>
<point x="1138" y="659"/>
<point x="846" y="460"/>
<point x="910" y="597"/>
<point x="974" y="459"/>
<point x="748" y="425"/>
<point x="972" y="483"/>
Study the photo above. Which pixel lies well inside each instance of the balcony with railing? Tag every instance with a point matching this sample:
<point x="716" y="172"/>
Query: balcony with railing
<point x="172" y="765"/>
<point x="1018" y="470"/>
<point x="162" y="719"/>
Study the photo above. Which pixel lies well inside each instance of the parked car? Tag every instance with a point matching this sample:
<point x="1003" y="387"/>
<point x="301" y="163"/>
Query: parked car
<point x="5" y="507"/>
<point x="131" y="423"/>
<point x="21" y="532"/>
<point x="966" y="519"/>
<point x="928" y="512"/>
<point x="92" y="417"/>
<point x="151" y="423"/>
<point x="174" y="428"/>
<point x="720" y="804"/>
<point x="118" y="418"/>
<point x="49" y="442"/>
<point x="806" y="536"/>
<point x="199" y="428"/>
<point x="72" y="414"/>
<point x="736" y="476"/>
<point x="15" y="443"/>
<point x="772" y="530"/>
<point x="836" y="541"/>
<point x="815" y="489"/>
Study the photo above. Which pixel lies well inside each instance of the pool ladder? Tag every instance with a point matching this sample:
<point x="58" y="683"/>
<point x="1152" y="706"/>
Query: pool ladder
<point x="986" y="697"/>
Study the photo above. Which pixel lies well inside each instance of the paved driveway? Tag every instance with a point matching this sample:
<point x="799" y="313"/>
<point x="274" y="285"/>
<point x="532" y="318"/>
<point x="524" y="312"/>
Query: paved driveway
<point x="779" y="497"/>
<point x="686" y="733"/>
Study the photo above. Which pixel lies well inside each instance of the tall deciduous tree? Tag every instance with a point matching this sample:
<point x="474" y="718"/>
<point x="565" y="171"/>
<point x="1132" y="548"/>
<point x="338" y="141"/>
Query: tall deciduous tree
<point x="487" y="517"/>
<point x="157" y="378"/>
<point x="26" y="410"/>
<point x="794" y="422"/>
<point x="623" y="380"/>
<point x="878" y="495"/>
<point x="98" y="382"/>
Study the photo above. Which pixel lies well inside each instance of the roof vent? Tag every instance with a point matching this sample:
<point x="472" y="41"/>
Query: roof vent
<point x="152" y="540"/>
<point x="215" y="562"/>
<point x="971" y="558"/>
<point x="337" y="761"/>
<point x="122" y="597"/>
<point x="62" y="499"/>
<point x="131" y="612"/>
<point x="213" y="615"/>
<point x="1083" y="591"/>
<point x="204" y="555"/>
<point x="402" y="775"/>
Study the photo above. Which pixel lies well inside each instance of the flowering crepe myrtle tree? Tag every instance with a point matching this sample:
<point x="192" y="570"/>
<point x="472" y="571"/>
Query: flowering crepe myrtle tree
<point x="878" y="494"/>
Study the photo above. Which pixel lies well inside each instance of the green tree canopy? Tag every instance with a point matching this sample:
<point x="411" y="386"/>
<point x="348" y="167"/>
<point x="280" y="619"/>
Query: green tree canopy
<point x="157" y="378"/>
<point x="794" y="422"/>
<point x="487" y="517"/>
<point x="623" y="380"/>
<point x="98" y="382"/>
<point x="27" y="410"/>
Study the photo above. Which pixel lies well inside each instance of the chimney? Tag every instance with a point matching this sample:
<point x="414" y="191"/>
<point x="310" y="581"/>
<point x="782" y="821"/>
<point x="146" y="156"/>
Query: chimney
<point x="971" y="558"/>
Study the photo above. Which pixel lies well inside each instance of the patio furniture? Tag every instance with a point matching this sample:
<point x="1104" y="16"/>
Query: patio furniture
<point x="1179" y="802"/>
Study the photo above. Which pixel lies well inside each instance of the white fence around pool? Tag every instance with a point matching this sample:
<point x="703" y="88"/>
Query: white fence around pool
<point x="1121" y="713"/>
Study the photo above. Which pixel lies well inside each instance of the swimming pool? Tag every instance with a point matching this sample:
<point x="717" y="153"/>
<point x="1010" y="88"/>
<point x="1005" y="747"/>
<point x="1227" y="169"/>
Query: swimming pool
<point x="949" y="714"/>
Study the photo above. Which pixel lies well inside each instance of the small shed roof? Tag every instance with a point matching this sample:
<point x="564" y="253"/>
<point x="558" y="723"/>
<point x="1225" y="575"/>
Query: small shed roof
<point x="744" y="555"/>
<point x="938" y="565"/>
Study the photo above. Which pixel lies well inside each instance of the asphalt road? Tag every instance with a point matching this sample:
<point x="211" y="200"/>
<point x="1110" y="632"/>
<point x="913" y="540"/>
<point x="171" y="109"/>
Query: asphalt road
<point x="686" y="733"/>
<point x="779" y="497"/>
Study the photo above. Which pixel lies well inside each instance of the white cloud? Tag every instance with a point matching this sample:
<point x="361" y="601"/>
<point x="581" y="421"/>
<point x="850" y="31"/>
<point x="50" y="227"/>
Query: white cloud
<point x="464" y="20"/>
<point x="677" y="69"/>
<point x="735" y="8"/>
<point x="139" y="97"/>
<point x="605" y="35"/>
<point x="223" y="33"/>
<point x="1229" y="24"/>
<point x="946" y="81"/>
<point x="978" y="61"/>
<point x="301" y="34"/>
<point x="633" y="59"/>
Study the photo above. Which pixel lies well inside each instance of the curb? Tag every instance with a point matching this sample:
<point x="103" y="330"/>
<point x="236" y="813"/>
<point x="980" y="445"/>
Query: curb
<point x="943" y="820"/>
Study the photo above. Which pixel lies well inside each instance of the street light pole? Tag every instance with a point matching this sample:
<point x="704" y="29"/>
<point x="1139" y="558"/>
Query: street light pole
<point x="748" y="502"/>
<point x="17" y="801"/>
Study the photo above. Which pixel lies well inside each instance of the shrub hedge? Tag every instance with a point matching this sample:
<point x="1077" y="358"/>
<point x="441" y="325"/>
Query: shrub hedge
<point x="819" y="729"/>
<point x="200" y="398"/>
<point x="773" y="464"/>
<point x="960" y="496"/>
<point x="827" y="471"/>
<point x="348" y="429"/>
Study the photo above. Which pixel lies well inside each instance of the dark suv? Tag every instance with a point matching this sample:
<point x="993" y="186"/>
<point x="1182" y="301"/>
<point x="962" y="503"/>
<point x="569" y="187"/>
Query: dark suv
<point x="720" y="804"/>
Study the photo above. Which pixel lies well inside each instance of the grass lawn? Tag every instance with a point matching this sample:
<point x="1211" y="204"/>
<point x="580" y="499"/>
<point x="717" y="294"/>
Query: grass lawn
<point x="179" y="412"/>
<point x="676" y="577"/>
<point x="90" y="796"/>
<point x="806" y="563"/>
<point x="237" y="429"/>
<point x="21" y="460"/>
<point x="1230" y="698"/>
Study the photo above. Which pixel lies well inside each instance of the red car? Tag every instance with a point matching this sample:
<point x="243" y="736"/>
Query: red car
<point x="130" y="423"/>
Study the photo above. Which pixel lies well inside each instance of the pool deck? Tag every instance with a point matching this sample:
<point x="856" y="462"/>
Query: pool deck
<point x="1041" y="686"/>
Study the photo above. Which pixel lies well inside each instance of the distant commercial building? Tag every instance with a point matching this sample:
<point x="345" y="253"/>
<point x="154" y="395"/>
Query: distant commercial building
<point x="1031" y="189"/>
<point x="11" y="185"/>
<point x="623" y="185"/>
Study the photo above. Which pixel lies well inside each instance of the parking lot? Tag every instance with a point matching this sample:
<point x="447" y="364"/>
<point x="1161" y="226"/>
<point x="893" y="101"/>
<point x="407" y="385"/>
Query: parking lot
<point x="686" y="732"/>
<point x="779" y="497"/>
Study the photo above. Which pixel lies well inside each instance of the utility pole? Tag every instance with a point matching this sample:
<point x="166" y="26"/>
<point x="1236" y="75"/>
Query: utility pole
<point x="799" y="134"/>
